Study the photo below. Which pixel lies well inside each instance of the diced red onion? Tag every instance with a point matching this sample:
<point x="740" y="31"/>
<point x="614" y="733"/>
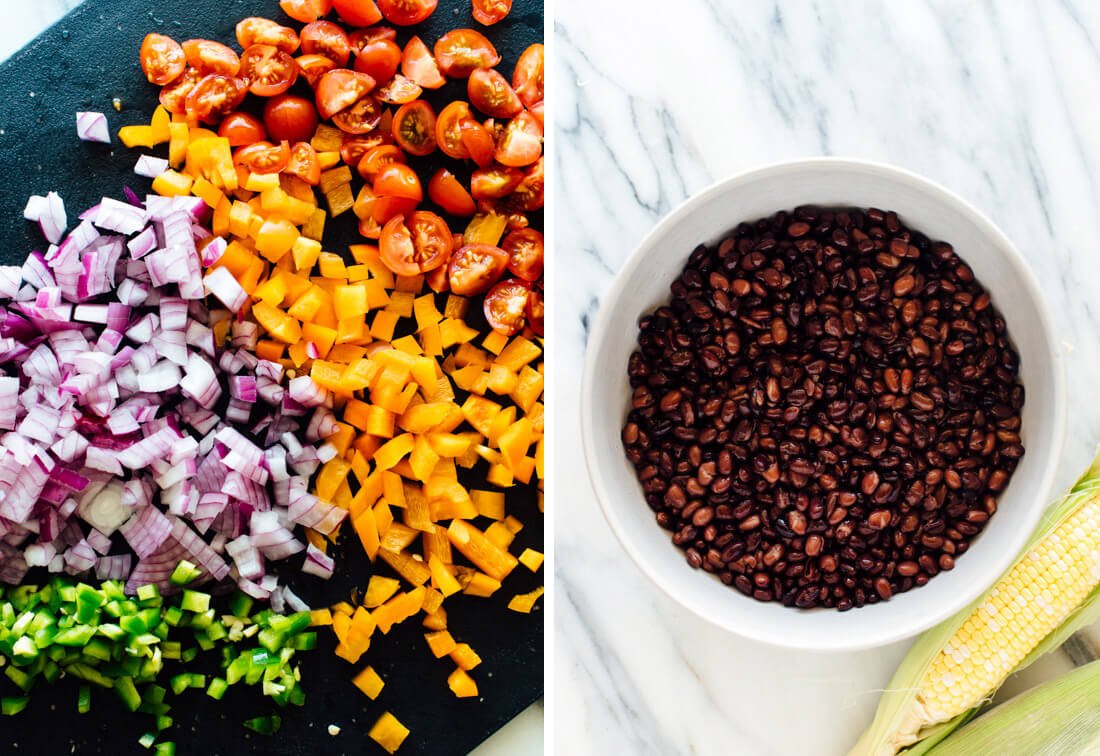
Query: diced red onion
<point x="318" y="563"/>
<point x="91" y="126"/>
<point x="150" y="166"/>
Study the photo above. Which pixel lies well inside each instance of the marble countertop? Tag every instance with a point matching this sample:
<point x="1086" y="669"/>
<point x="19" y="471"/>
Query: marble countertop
<point x="523" y="736"/>
<point x="997" y="101"/>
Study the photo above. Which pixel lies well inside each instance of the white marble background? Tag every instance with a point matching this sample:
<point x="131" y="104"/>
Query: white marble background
<point x="998" y="101"/>
<point x="22" y="20"/>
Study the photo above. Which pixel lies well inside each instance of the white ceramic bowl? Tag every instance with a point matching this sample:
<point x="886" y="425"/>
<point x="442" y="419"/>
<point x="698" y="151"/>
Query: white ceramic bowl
<point x="644" y="283"/>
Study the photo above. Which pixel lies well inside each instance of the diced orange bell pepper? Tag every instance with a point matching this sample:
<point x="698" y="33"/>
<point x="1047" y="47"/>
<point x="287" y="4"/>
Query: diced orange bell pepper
<point x="370" y="683"/>
<point x="278" y="323"/>
<point x="379" y="590"/>
<point x="441" y="643"/>
<point x="525" y="602"/>
<point x="465" y="657"/>
<point x="461" y="684"/>
<point x="495" y="562"/>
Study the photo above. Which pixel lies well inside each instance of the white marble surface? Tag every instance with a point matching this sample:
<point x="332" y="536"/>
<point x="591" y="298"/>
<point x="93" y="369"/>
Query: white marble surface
<point x="998" y="101"/>
<point x="22" y="21"/>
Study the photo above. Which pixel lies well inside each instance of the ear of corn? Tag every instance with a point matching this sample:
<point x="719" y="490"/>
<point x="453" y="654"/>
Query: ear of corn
<point x="1060" y="717"/>
<point x="1052" y="590"/>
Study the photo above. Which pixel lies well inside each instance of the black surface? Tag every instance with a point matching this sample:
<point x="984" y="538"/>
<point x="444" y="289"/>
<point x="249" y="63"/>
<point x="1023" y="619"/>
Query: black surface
<point x="83" y="62"/>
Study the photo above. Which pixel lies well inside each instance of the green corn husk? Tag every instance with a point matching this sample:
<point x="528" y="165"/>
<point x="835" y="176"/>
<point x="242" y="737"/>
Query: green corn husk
<point x="897" y="715"/>
<point x="1061" y="717"/>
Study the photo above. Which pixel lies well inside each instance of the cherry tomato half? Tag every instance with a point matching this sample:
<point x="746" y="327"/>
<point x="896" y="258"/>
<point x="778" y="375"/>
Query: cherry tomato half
<point x="304" y="163"/>
<point x="525" y="253"/>
<point x="536" y="311"/>
<point x="521" y="143"/>
<point x="241" y="129"/>
<point x="162" y="59"/>
<point x="358" y="12"/>
<point x="269" y="70"/>
<point x="491" y="93"/>
<point x="290" y="117"/>
<point x="361" y="117"/>
<point x="496" y="182"/>
<point x="263" y="157"/>
<point x="399" y="91"/>
<point x="377" y="158"/>
<point x="489" y="12"/>
<point x="529" y="195"/>
<point x="448" y="129"/>
<point x="379" y="59"/>
<point x="355" y="147"/>
<point x="437" y="280"/>
<point x="414" y="128"/>
<point x="446" y="191"/>
<point x="306" y="10"/>
<point x="263" y="31"/>
<point x="476" y="267"/>
<point x="398" y="180"/>
<point x="460" y="51"/>
<point x="479" y="142"/>
<point x="174" y="96"/>
<point x="211" y="57"/>
<point x="527" y="79"/>
<point x="339" y="89"/>
<point x="328" y="39"/>
<point x="418" y="64"/>
<point x="406" y="12"/>
<point x="420" y="246"/>
<point x="506" y="306"/>
<point x="537" y="110"/>
<point x="215" y="96"/>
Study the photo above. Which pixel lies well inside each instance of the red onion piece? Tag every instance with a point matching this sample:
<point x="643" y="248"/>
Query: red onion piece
<point x="91" y="126"/>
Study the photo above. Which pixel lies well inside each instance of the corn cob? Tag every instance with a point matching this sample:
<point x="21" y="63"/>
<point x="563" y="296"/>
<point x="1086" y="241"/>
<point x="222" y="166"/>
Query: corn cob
<point x="1051" y="590"/>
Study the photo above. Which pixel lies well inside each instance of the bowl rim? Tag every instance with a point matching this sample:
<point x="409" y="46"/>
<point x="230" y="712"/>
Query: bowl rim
<point x="599" y="333"/>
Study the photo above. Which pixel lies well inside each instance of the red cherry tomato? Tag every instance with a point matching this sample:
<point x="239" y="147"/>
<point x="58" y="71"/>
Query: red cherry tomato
<point x="360" y="118"/>
<point x="385" y="208"/>
<point x="290" y="117"/>
<point x="506" y="306"/>
<point x="461" y="51"/>
<point x="525" y="253"/>
<point x="414" y="128"/>
<point x="479" y="142"/>
<point x="377" y="158"/>
<point x="398" y="180"/>
<point x="174" y="96"/>
<point x="489" y="12"/>
<point x="448" y="129"/>
<point x="268" y="70"/>
<point x="492" y="94"/>
<point x="476" y="267"/>
<point x="304" y="163"/>
<point x="306" y="10"/>
<point x="311" y="67"/>
<point x="420" y="246"/>
<point x="446" y="191"/>
<point x="529" y="195"/>
<point x="378" y="59"/>
<point x="263" y="31"/>
<point x="339" y="89"/>
<point x="211" y="57"/>
<point x="536" y="311"/>
<point x="399" y="91"/>
<point x="358" y="12"/>
<point x="437" y="280"/>
<point x="406" y="12"/>
<point x="263" y="157"/>
<point x="328" y="39"/>
<point x="355" y="147"/>
<point x="521" y="143"/>
<point x="241" y="129"/>
<point x="527" y="79"/>
<point x="537" y="111"/>
<point x="496" y="182"/>
<point x="418" y="64"/>
<point x="162" y="59"/>
<point x="360" y="38"/>
<point x="215" y="96"/>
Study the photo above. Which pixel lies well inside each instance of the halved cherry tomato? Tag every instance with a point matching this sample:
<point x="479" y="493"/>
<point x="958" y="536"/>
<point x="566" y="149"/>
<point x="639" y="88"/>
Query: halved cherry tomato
<point x="461" y="51"/>
<point x="399" y="91"/>
<point x="529" y="195"/>
<point x="269" y="70"/>
<point x="263" y="31"/>
<point x="242" y="128"/>
<point x="377" y="158"/>
<point x="211" y="57"/>
<point x="406" y="12"/>
<point x="494" y="183"/>
<point x="339" y="89"/>
<point x="306" y="10"/>
<point x="363" y="37"/>
<point x="448" y="129"/>
<point x="304" y="163"/>
<point x="162" y="59"/>
<point x="174" y="96"/>
<point x="398" y="180"/>
<point x="420" y="246"/>
<point x="479" y="142"/>
<point x="527" y="79"/>
<point x="263" y="157"/>
<point x="446" y="191"/>
<point x="378" y="59"/>
<point x="437" y="280"/>
<point x="385" y="208"/>
<point x="370" y="228"/>
<point x="313" y="66"/>
<point x="521" y="143"/>
<point x="215" y="96"/>
<point x="536" y="311"/>
<point x="358" y="12"/>
<point x="489" y="12"/>
<point x="290" y="117"/>
<point x="506" y="306"/>
<point x="537" y="111"/>
<point x="491" y="93"/>
<point x="414" y="128"/>
<point x="516" y="221"/>
<point x="525" y="253"/>
<point x="355" y="147"/>
<point x="328" y="39"/>
<point x="361" y="117"/>
<point x="476" y="267"/>
<point x="418" y="64"/>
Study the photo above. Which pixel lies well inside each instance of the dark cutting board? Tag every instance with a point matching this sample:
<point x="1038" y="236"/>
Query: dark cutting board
<point x="81" y="63"/>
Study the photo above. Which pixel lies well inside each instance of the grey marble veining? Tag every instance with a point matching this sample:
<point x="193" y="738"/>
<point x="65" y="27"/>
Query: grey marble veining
<point x="998" y="101"/>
